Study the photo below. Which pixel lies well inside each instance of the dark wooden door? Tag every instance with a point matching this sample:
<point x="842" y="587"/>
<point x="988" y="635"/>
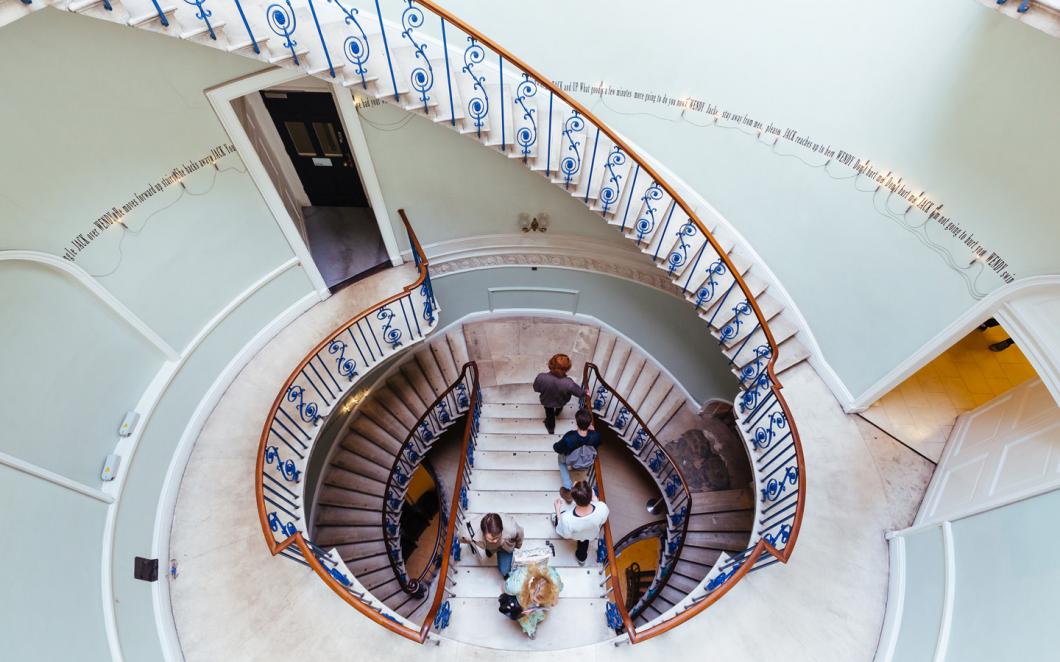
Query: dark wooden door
<point x="309" y="126"/>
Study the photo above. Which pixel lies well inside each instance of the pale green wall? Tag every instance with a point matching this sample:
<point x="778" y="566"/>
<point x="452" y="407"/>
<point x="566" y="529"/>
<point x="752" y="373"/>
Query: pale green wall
<point x="50" y="573"/>
<point x="107" y="112"/>
<point x="94" y="112"/>
<point x="60" y="347"/>
<point x="1005" y="586"/>
<point x="955" y="97"/>
<point x="666" y="327"/>
<point x="452" y="187"/>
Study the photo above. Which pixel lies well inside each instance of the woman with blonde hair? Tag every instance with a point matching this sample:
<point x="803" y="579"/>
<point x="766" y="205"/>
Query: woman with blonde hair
<point x="556" y="388"/>
<point x="536" y="587"/>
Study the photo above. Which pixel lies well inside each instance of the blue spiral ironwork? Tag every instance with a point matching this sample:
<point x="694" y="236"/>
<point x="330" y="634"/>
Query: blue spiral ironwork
<point x="645" y="225"/>
<point x="749" y="398"/>
<point x="400" y="477"/>
<point x="478" y="106"/>
<point x="338" y="575"/>
<point x="614" y="619"/>
<point x="601" y="550"/>
<point x="441" y="619"/>
<point x="763" y="435"/>
<point x="751" y="371"/>
<point x="672" y="485"/>
<point x="470" y="456"/>
<point x="422" y="75"/>
<point x="679" y="256"/>
<point x="346" y="367"/>
<point x="623" y="418"/>
<point x="355" y="47"/>
<point x="278" y="526"/>
<point x="732" y="329"/>
<point x="781" y="536"/>
<point x="287" y="468"/>
<point x="709" y="287"/>
<point x="443" y="412"/>
<point x="774" y="488"/>
<point x="673" y="544"/>
<point x="656" y="461"/>
<point x="425" y="431"/>
<point x="390" y="334"/>
<point x="677" y="518"/>
<point x="429" y="304"/>
<point x="526" y="136"/>
<point x="308" y="411"/>
<point x="571" y="164"/>
<point x="639" y="438"/>
<point x="724" y="576"/>
<point x="611" y="190"/>
<point x="201" y="13"/>
<point x="454" y="549"/>
<point x="282" y="21"/>
<point x="462" y="399"/>
<point x="463" y="497"/>
<point x="598" y="401"/>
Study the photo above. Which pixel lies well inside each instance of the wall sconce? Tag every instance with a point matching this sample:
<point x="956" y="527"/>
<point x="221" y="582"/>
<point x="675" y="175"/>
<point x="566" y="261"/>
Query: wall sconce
<point x="538" y="223"/>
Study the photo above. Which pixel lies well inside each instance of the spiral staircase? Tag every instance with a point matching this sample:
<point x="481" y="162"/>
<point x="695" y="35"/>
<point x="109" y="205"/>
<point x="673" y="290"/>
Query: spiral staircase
<point x="425" y="60"/>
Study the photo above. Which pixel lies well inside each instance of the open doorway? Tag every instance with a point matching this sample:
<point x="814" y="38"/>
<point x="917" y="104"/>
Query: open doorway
<point x="921" y="411"/>
<point x="303" y="144"/>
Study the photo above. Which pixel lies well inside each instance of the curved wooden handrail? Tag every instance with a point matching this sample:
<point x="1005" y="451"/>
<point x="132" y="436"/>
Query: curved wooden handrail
<point x="454" y="508"/>
<point x="263" y="440"/>
<point x="406" y="586"/>
<point x="544" y="81"/>
<point x="298" y="539"/>
<point x="612" y="557"/>
<point x="352" y="600"/>
<point x="612" y="560"/>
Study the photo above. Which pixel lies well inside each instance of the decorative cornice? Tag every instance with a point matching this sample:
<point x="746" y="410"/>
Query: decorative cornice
<point x="560" y="252"/>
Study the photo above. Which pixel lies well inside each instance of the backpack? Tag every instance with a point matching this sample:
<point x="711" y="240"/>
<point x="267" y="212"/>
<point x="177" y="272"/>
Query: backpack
<point x="581" y="458"/>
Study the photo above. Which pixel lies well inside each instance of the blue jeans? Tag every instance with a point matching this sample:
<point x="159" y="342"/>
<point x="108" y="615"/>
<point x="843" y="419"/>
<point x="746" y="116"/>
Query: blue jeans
<point x="504" y="562"/>
<point x="564" y="472"/>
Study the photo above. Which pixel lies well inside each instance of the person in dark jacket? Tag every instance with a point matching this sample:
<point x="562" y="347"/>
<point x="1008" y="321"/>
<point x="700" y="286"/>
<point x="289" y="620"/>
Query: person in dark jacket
<point x="556" y="389"/>
<point x="584" y="435"/>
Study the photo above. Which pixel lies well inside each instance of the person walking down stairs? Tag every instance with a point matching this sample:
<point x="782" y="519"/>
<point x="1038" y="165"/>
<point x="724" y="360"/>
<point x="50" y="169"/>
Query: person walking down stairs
<point x="582" y="522"/>
<point x="576" y="450"/>
<point x="556" y="389"/>
<point x="500" y="535"/>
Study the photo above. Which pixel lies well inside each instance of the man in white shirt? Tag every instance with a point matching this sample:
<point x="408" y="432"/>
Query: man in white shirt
<point x="581" y="522"/>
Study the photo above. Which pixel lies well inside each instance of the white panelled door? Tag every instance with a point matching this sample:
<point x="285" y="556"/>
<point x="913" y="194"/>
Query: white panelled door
<point x="1005" y="450"/>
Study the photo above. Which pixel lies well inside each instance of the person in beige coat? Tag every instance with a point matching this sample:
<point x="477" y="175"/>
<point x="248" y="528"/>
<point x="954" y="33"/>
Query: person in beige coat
<point x="497" y="534"/>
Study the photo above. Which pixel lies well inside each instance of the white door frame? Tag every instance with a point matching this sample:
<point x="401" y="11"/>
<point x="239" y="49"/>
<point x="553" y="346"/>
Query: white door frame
<point x="1013" y="306"/>
<point x="221" y="97"/>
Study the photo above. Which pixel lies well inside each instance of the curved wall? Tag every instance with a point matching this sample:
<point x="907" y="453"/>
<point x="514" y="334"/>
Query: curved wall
<point x="666" y="327"/>
<point x="94" y="114"/>
<point x="951" y="95"/>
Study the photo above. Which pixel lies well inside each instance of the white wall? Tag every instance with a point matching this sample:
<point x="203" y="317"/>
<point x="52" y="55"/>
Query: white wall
<point x="949" y="94"/>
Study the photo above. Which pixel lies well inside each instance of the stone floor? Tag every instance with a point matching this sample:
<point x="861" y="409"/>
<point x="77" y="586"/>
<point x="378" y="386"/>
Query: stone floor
<point x="921" y="410"/>
<point x="233" y="601"/>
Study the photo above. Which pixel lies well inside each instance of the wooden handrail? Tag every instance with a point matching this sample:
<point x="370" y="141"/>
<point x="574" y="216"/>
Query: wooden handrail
<point x="389" y="479"/>
<point x="776" y="386"/>
<point x="298" y="539"/>
<point x="454" y="508"/>
<point x="342" y="592"/>
<point x="259" y="471"/>
<point x="613" y="560"/>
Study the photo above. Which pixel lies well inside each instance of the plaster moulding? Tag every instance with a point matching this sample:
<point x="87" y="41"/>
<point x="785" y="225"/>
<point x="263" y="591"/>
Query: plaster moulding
<point x="505" y="250"/>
